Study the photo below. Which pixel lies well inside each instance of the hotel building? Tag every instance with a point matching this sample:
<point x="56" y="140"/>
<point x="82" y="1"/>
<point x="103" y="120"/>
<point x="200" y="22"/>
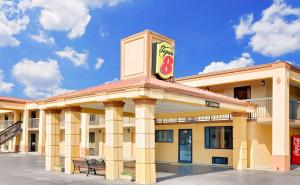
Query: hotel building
<point x="242" y="118"/>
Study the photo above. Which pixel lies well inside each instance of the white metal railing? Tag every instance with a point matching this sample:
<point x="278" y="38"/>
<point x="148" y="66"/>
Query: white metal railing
<point x="128" y="121"/>
<point x="97" y="120"/>
<point x="5" y="123"/>
<point x="263" y="108"/>
<point x="33" y="123"/>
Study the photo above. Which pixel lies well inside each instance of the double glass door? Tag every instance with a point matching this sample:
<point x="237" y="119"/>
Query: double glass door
<point x="185" y="145"/>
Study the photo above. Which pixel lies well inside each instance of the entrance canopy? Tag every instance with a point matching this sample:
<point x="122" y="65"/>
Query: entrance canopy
<point x="173" y="99"/>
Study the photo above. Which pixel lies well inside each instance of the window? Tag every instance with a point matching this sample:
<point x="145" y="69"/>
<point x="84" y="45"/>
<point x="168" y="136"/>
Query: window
<point x="218" y="137"/>
<point x="92" y="137"/>
<point x="242" y="93"/>
<point x="164" y="136"/>
<point x="33" y="114"/>
<point x="219" y="160"/>
<point x="6" y="117"/>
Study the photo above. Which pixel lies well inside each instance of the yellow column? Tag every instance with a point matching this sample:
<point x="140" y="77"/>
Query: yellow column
<point x="72" y="137"/>
<point x="239" y="122"/>
<point x="52" y="139"/>
<point x="16" y="140"/>
<point x="280" y="120"/>
<point x="114" y="139"/>
<point x="42" y="132"/>
<point x="24" y="146"/>
<point x="145" y="141"/>
<point x="84" y="144"/>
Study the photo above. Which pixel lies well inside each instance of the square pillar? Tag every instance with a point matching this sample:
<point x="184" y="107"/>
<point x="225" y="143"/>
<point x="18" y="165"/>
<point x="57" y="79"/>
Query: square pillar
<point x="72" y="137"/>
<point x="145" y="141"/>
<point x="280" y="120"/>
<point x="42" y="132"/>
<point x="85" y="124"/>
<point x="16" y="140"/>
<point x="114" y="139"/>
<point x="239" y="123"/>
<point x="52" y="139"/>
<point x="24" y="146"/>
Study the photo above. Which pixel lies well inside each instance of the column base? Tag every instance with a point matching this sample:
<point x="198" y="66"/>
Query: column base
<point x="17" y="148"/>
<point x="145" y="173"/>
<point x="52" y="162"/>
<point x="41" y="150"/>
<point x="24" y="148"/>
<point x="281" y="163"/>
<point x="114" y="169"/>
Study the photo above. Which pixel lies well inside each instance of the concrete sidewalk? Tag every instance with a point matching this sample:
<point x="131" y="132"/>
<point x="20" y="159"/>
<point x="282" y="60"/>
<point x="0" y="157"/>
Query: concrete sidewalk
<point x="28" y="169"/>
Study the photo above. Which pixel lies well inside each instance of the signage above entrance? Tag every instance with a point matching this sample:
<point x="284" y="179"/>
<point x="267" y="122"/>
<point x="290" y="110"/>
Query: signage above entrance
<point x="209" y="103"/>
<point x="163" y="60"/>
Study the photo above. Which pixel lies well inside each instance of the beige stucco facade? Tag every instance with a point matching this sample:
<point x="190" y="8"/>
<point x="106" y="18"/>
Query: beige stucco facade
<point x="118" y="121"/>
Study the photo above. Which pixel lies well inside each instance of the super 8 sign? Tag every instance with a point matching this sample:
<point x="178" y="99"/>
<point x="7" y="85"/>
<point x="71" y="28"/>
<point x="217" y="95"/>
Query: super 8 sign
<point x="163" y="60"/>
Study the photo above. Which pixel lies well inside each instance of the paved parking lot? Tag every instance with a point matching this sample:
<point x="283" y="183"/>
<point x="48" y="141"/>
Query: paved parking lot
<point x="28" y="169"/>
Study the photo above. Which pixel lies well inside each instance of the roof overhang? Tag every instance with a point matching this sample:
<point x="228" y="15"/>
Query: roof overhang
<point x="173" y="98"/>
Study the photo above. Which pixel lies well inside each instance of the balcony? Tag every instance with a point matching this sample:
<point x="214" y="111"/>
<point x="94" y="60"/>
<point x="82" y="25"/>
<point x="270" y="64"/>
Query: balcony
<point x="128" y="121"/>
<point x="33" y="123"/>
<point x="97" y="121"/>
<point x="263" y="109"/>
<point x="5" y="123"/>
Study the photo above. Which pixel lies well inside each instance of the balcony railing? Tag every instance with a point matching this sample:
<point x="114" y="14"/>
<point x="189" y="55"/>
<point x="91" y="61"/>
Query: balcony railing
<point x="128" y="121"/>
<point x="5" y="123"/>
<point x="97" y="120"/>
<point x="33" y="123"/>
<point x="263" y="108"/>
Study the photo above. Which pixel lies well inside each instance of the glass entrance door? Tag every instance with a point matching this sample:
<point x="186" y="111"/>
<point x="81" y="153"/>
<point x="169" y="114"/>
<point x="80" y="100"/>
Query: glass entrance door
<point x="185" y="145"/>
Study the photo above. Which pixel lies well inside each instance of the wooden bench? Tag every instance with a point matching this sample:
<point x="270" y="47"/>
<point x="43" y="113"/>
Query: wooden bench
<point x="78" y="164"/>
<point x="94" y="165"/>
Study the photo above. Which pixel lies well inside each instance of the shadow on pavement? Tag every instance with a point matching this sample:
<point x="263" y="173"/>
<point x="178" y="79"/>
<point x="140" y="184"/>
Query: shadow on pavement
<point x="167" y="171"/>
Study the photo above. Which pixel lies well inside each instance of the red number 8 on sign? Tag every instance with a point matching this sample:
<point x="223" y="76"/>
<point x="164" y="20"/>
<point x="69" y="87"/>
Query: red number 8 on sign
<point x="167" y="65"/>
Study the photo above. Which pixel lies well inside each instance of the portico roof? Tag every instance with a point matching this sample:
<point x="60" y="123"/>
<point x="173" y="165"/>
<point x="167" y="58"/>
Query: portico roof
<point x="179" y="97"/>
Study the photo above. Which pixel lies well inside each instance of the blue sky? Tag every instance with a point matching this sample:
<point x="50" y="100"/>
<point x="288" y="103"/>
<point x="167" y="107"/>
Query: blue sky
<point x="51" y="47"/>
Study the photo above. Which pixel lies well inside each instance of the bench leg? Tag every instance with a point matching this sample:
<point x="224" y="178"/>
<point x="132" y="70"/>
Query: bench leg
<point x="95" y="172"/>
<point x="88" y="172"/>
<point x="74" y="170"/>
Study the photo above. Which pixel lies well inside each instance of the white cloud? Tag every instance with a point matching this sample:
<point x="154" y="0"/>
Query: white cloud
<point x="114" y="80"/>
<point x="244" y="27"/>
<point x="42" y="37"/>
<point x="99" y="63"/>
<point x="40" y="79"/>
<point x="65" y="15"/>
<point x="5" y="87"/>
<point x="78" y="59"/>
<point x="243" y="61"/>
<point x="276" y="33"/>
<point x="103" y="33"/>
<point x="12" y="22"/>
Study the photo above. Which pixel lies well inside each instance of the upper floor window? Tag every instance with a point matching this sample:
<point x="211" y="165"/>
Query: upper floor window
<point x="242" y="93"/>
<point x="33" y="114"/>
